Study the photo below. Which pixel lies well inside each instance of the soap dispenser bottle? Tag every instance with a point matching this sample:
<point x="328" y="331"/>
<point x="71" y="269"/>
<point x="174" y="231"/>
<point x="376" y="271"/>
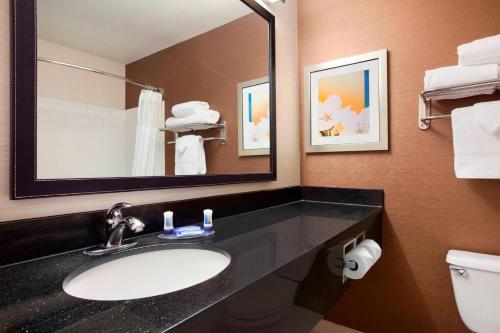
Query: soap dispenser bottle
<point x="207" y="220"/>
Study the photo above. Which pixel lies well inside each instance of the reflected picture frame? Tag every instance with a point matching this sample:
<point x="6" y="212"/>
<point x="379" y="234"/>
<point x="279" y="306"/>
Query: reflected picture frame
<point x="253" y="117"/>
<point x="346" y="104"/>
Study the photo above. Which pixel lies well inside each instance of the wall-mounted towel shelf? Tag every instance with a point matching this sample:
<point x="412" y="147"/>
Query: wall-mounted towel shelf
<point x="197" y="127"/>
<point x="426" y="97"/>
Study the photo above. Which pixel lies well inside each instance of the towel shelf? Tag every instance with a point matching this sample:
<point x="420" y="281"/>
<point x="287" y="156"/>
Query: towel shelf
<point x="198" y="127"/>
<point x="193" y="127"/>
<point x="426" y="97"/>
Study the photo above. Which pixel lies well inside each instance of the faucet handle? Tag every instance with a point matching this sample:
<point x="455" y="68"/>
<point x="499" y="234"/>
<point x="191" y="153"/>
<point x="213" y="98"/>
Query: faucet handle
<point x="135" y="224"/>
<point x="114" y="215"/>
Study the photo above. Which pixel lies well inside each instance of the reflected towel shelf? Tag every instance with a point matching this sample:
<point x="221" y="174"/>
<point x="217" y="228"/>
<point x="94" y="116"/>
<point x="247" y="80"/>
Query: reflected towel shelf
<point x="426" y="98"/>
<point x="198" y="127"/>
<point x="193" y="127"/>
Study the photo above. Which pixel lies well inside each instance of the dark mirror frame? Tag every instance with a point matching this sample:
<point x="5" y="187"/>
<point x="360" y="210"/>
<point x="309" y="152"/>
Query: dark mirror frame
<point x="24" y="183"/>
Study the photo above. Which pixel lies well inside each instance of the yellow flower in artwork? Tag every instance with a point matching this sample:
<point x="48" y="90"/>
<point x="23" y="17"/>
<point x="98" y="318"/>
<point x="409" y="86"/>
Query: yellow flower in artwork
<point x="337" y="129"/>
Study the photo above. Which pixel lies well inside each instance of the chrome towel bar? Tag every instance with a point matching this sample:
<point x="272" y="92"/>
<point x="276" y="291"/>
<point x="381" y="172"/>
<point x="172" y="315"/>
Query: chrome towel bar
<point x="221" y="126"/>
<point x="453" y="92"/>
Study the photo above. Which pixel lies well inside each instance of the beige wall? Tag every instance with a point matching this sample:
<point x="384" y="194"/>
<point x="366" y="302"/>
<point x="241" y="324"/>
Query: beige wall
<point x="287" y="119"/>
<point x="428" y="210"/>
<point x="83" y="106"/>
<point x="73" y="85"/>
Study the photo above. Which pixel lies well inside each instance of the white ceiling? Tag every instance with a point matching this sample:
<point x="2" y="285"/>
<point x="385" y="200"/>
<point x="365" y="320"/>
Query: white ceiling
<point x="128" y="30"/>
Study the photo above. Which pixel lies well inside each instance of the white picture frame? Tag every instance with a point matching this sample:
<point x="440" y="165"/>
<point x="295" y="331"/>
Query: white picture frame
<point x="253" y="129"/>
<point x="346" y="104"/>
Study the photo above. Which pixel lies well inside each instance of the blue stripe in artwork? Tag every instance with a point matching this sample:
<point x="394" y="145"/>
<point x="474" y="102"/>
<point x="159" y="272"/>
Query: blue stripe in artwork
<point x="250" y="108"/>
<point x="367" y="88"/>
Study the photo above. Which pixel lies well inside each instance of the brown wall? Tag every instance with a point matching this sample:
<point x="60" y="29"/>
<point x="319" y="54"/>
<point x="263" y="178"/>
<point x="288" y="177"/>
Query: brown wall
<point x="208" y="67"/>
<point x="428" y="210"/>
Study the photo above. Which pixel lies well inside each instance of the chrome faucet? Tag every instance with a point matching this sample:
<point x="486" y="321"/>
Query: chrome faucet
<point x="117" y="224"/>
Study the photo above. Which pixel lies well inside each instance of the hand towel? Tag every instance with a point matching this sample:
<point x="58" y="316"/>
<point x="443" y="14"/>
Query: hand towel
<point x="190" y="156"/>
<point x="477" y="151"/>
<point x="189" y="108"/>
<point x="481" y="51"/>
<point x="487" y="115"/>
<point x="207" y="117"/>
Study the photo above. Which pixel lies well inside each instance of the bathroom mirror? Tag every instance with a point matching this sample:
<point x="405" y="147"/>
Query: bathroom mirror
<point x="121" y="95"/>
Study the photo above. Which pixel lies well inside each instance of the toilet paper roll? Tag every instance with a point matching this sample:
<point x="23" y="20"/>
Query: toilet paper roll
<point x="362" y="258"/>
<point x="372" y="247"/>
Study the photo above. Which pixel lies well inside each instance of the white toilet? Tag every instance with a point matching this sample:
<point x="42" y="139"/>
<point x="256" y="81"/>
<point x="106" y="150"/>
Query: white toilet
<point x="476" y="283"/>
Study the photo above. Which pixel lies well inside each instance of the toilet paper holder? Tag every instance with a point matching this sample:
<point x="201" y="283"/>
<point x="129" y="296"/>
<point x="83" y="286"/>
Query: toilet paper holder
<point x="336" y="261"/>
<point x="348" y="247"/>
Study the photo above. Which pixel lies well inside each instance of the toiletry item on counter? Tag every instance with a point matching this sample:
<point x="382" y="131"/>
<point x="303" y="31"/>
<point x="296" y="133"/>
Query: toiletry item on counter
<point x="189" y="231"/>
<point x="168" y="222"/>
<point x="481" y="51"/>
<point x="189" y="108"/>
<point x="186" y="232"/>
<point x="361" y="259"/>
<point x="207" y="220"/>
<point x="476" y="148"/>
<point x="456" y="75"/>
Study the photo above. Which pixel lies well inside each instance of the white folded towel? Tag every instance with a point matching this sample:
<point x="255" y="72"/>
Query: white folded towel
<point x="481" y="51"/>
<point x="487" y="115"/>
<point x="189" y="108"/>
<point x="477" y="151"/>
<point x="207" y="117"/>
<point x="455" y="75"/>
<point x="190" y="156"/>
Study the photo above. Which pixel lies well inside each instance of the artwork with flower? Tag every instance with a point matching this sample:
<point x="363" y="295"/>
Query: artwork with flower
<point x="253" y="117"/>
<point x="344" y="104"/>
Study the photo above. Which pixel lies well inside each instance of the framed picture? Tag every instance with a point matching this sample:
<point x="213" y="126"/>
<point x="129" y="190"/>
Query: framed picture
<point x="253" y="117"/>
<point x="345" y="104"/>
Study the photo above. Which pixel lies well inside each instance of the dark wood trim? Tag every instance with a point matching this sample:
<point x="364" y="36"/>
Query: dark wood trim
<point x="25" y="185"/>
<point x="272" y="81"/>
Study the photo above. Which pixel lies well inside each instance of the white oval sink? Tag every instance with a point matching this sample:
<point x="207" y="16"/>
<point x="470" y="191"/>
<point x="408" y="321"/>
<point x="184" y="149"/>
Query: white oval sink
<point x="146" y="274"/>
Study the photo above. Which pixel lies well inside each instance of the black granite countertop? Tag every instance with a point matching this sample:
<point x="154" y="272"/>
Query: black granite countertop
<point x="259" y="242"/>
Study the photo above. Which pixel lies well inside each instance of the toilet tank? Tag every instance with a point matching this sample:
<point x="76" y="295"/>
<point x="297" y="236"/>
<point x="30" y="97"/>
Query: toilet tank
<point x="476" y="284"/>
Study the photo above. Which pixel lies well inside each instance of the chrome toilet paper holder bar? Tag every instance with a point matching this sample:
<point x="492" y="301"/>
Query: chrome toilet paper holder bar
<point x="348" y="247"/>
<point x="351" y="265"/>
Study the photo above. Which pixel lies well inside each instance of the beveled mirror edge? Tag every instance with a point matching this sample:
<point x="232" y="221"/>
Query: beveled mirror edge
<point x="24" y="184"/>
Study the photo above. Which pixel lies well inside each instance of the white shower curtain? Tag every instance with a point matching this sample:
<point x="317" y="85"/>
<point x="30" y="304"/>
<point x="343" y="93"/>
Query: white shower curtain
<point x="149" y="152"/>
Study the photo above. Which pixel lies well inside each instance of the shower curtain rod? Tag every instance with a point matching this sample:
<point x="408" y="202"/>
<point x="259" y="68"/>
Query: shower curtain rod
<point x="97" y="71"/>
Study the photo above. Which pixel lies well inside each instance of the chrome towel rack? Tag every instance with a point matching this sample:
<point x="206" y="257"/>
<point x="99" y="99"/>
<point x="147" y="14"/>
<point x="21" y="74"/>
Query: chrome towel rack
<point x="425" y="116"/>
<point x="197" y="127"/>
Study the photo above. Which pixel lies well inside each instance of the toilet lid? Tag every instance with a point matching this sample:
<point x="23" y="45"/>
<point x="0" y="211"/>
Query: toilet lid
<point x="480" y="261"/>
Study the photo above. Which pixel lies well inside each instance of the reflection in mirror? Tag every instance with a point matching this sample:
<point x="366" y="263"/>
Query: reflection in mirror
<point x="165" y="87"/>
